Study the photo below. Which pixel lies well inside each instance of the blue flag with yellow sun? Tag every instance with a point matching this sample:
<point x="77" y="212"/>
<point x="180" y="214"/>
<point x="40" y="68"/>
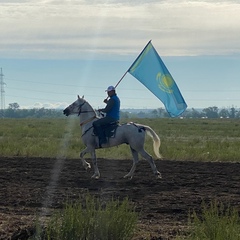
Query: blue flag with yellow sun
<point x="150" y="70"/>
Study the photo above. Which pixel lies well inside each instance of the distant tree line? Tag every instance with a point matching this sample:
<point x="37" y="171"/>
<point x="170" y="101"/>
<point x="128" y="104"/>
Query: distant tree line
<point x="210" y="112"/>
<point x="213" y="112"/>
<point x="14" y="111"/>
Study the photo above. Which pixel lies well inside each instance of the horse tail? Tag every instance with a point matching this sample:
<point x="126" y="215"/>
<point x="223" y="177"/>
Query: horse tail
<point x="156" y="140"/>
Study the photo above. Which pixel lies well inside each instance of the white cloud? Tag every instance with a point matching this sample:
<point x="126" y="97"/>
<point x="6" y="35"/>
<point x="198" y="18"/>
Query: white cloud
<point x="74" y="29"/>
<point x="47" y="105"/>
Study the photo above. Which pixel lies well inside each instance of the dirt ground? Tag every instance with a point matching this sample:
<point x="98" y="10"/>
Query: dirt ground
<point x="32" y="187"/>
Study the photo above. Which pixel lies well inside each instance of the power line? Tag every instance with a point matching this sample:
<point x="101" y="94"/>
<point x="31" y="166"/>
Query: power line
<point x="2" y="91"/>
<point x="49" y="83"/>
<point x="127" y="97"/>
<point x="130" y="89"/>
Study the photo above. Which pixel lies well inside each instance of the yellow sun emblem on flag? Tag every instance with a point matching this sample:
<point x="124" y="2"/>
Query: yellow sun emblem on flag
<point x="165" y="82"/>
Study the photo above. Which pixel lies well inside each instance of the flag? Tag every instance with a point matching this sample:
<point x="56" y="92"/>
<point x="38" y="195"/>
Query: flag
<point x="150" y="70"/>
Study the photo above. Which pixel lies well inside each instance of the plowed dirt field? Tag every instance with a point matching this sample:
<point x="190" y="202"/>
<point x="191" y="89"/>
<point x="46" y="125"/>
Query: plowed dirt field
<point x="28" y="185"/>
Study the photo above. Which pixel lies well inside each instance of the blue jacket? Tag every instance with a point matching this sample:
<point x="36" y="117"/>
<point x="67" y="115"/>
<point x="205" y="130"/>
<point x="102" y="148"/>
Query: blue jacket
<point x="113" y="108"/>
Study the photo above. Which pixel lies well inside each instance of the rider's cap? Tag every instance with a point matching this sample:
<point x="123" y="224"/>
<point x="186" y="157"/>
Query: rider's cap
<point x="110" y="88"/>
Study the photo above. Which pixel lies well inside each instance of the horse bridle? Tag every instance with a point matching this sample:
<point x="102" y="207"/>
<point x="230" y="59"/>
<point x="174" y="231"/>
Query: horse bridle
<point x="80" y="111"/>
<point x="80" y="108"/>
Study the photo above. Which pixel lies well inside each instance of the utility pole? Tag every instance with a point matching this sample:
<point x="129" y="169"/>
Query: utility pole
<point x="2" y="92"/>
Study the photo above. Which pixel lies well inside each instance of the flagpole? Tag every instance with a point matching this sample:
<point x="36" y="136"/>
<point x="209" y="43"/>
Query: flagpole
<point x="121" y="78"/>
<point x="129" y="68"/>
<point x="139" y="55"/>
<point x="131" y="65"/>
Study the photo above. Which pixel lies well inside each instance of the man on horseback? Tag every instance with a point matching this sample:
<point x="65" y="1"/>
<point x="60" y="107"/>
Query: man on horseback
<point x="112" y="111"/>
<point x="131" y="133"/>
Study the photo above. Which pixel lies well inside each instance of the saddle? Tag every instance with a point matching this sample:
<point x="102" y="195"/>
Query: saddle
<point x="109" y="129"/>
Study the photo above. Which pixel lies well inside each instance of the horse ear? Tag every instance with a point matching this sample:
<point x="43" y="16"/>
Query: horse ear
<point x="82" y="96"/>
<point x="78" y="96"/>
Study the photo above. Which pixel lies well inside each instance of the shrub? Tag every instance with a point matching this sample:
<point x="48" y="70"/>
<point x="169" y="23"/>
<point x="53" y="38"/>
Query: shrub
<point x="216" y="222"/>
<point x="92" y="219"/>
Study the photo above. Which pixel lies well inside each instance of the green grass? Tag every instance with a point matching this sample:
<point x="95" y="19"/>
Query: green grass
<point x="216" y="222"/>
<point x="38" y="137"/>
<point x="92" y="219"/>
<point x="182" y="139"/>
<point x="197" y="139"/>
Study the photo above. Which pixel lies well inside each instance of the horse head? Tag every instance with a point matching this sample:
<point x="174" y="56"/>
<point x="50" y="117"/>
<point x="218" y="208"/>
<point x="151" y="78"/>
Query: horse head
<point x="75" y="107"/>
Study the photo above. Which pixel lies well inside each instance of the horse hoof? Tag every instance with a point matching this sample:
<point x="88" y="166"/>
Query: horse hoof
<point x="158" y="175"/>
<point x="94" y="176"/>
<point x="128" y="177"/>
<point x="87" y="166"/>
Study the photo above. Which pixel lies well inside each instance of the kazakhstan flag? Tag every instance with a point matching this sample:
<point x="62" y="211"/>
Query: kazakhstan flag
<point x="150" y="70"/>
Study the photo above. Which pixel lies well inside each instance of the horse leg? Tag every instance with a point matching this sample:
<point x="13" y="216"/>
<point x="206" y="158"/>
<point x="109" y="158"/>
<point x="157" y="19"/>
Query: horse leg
<point x="86" y="165"/>
<point x="135" y="161"/>
<point x="96" y="174"/>
<point x="151" y="162"/>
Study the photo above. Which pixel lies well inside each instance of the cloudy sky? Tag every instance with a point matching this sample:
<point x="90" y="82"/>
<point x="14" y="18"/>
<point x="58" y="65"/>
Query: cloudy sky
<point x="52" y="50"/>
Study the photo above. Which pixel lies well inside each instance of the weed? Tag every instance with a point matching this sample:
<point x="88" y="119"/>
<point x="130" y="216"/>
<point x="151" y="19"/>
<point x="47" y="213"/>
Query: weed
<point x="92" y="219"/>
<point x="216" y="222"/>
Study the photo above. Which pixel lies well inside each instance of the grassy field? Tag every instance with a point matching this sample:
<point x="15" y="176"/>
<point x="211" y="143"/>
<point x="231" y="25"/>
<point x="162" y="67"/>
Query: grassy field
<point x="181" y="139"/>
<point x="216" y="222"/>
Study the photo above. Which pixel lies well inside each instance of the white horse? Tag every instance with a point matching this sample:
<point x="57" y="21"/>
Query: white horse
<point x="130" y="133"/>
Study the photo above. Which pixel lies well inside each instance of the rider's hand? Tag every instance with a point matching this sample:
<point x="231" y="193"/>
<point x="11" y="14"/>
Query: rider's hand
<point x="105" y="100"/>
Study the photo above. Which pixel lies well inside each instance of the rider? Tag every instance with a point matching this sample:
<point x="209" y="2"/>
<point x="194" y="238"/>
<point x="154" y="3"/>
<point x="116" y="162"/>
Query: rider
<point x="112" y="111"/>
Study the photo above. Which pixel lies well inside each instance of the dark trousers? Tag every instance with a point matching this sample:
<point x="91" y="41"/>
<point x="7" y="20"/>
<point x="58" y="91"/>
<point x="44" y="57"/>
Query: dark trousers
<point x="98" y="127"/>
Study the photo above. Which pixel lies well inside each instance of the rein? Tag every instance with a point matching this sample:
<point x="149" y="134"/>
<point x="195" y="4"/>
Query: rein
<point x="80" y="111"/>
<point x="87" y="121"/>
<point x="80" y="108"/>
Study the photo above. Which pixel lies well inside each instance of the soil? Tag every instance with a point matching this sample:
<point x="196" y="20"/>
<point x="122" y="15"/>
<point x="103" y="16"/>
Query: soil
<point x="33" y="187"/>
